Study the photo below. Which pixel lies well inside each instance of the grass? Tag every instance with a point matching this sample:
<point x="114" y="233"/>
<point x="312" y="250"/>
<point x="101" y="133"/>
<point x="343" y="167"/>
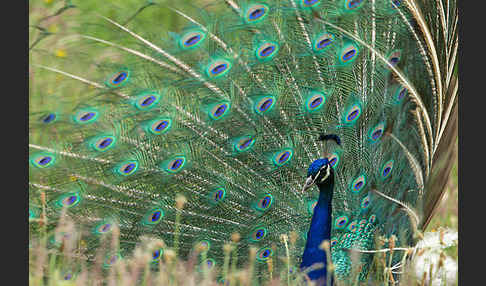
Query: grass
<point x="59" y="259"/>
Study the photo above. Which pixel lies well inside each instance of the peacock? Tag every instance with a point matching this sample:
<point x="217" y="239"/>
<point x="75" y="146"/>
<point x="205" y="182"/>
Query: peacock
<point x="319" y="131"/>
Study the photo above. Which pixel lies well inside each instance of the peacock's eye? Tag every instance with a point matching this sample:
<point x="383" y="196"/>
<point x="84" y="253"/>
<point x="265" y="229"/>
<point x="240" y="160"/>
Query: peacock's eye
<point x="323" y="42"/>
<point x="283" y="157"/>
<point x="244" y="144"/>
<point x="266" y="51"/>
<point x="333" y="242"/>
<point x="315" y="101"/>
<point x="103" y="143"/>
<point x="111" y="260"/>
<point x="353" y="114"/>
<point x="210" y="263"/>
<point x="128" y="168"/>
<point x="372" y="219"/>
<point x="216" y="196"/>
<point x="44" y="161"/>
<point x="348" y="53"/>
<point x="203" y="245"/>
<point x="264" y="104"/>
<point x="386" y="170"/>
<point x="394" y="58"/>
<point x="118" y="79"/>
<point x="396" y="3"/>
<point x="264" y="254"/>
<point x="51" y="117"/>
<point x="103" y="227"/>
<point x="340" y="222"/>
<point x="365" y="203"/>
<point x="156" y="216"/>
<point x="258" y="234"/>
<point x="402" y="93"/>
<point x="218" y="68"/>
<point x="192" y="39"/>
<point x="352" y="227"/>
<point x="256" y="13"/>
<point x="153" y="216"/>
<point x="146" y="100"/>
<point x="69" y="200"/>
<point x="158" y="126"/>
<point x="358" y="184"/>
<point x="265" y="202"/>
<point x="353" y="4"/>
<point x="157" y="254"/>
<point x="176" y="164"/>
<point x="310" y="3"/>
<point x="219" y="110"/>
<point x="333" y="160"/>
<point x="376" y="132"/>
<point x="86" y="116"/>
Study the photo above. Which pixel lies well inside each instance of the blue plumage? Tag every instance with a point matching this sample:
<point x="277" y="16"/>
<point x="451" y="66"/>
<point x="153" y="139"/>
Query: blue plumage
<point x="320" y="227"/>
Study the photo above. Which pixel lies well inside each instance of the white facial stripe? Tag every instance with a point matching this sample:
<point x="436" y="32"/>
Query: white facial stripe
<point x="328" y="172"/>
<point x="309" y="182"/>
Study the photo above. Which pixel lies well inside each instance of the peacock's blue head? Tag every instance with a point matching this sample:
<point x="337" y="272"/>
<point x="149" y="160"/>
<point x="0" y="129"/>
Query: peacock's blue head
<point x="318" y="172"/>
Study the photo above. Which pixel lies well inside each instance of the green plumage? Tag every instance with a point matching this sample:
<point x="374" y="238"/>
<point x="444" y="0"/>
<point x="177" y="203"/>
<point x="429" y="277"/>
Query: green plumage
<point x="227" y="111"/>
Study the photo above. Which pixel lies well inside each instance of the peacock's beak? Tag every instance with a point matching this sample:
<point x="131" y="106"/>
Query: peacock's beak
<point x="308" y="183"/>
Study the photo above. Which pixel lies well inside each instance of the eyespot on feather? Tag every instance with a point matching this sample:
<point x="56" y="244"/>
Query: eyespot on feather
<point x="153" y="216"/>
<point x="387" y="169"/>
<point x="42" y="160"/>
<point x="219" y="110"/>
<point x="118" y="79"/>
<point x="158" y="126"/>
<point x="266" y="51"/>
<point x="376" y="132"/>
<point x="86" y="116"/>
<point x="265" y="202"/>
<point x="244" y="143"/>
<point x="282" y="157"/>
<point x="127" y="168"/>
<point x="192" y="40"/>
<point x="353" y="113"/>
<point x="218" y="68"/>
<point x="175" y="164"/>
<point x="315" y="101"/>
<point x="340" y="222"/>
<point x="263" y="254"/>
<point x="358" y="184"/>
<point x="146" y="100"/>
<point x="256" y="13"/>
<point x="323" y="42"/>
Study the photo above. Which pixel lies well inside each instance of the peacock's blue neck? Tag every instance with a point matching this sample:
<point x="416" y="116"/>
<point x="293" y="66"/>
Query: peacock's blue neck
<point x="320" y="229"/>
